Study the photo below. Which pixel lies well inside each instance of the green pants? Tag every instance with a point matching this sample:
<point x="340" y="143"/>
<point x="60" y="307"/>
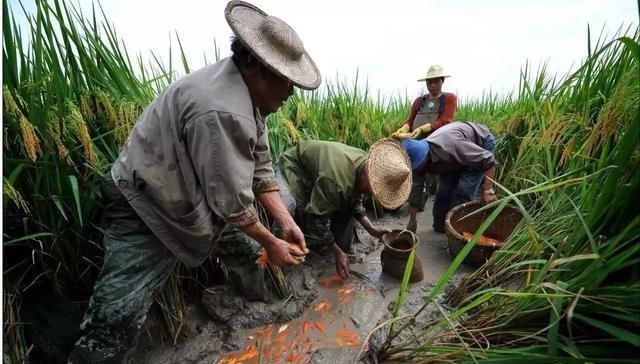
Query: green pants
<point x="136" y="264"/>
<point x="238" y="253"/>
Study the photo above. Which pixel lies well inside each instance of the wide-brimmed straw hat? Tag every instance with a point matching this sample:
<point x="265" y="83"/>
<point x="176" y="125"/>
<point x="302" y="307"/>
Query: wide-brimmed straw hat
<point x="389" y="171"/>
<point x="435" y="71"/>
<point x="274" y="43"/>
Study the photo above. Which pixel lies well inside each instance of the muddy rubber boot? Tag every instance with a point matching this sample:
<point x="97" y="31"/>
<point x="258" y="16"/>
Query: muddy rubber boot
<point x="412" y="226"/>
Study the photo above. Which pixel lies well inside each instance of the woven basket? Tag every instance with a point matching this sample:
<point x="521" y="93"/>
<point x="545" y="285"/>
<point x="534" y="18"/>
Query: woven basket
<point x="500" y="229"/>
<point x="398" y="245"/>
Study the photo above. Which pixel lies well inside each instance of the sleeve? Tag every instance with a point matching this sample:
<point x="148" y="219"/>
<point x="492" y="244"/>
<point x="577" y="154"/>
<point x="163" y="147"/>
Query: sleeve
<point x="412" y="114"/>
<point x="449" y="112"/>
<point x="263" y="177"/>
<point x="220" y="148"/>
<point x="358" y="207"/>
<point x="324" y="199"/>
<point x="473" y="156"/>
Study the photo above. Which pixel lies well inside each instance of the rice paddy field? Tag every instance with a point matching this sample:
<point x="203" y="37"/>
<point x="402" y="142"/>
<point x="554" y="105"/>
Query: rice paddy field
<point x="564" y="289"/>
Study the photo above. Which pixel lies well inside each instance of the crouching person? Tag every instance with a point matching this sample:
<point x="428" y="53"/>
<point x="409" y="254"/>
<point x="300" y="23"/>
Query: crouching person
<point x="323" y="184"/>
<point x="194" y="163"/>
<point x="462" y="155"/>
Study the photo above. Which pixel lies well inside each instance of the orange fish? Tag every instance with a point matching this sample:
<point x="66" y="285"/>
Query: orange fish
<point x="319" y="326"/>
<point x="482" y="239"/>
<point x="305" y="327"/>
<point x="323" y="306"/>
<point x="263" y="259"/>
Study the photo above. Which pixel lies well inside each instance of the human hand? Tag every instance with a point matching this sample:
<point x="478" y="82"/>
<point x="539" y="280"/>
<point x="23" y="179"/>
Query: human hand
<point x="421" y="130"/>
<point x="342" y="265"/>
<point x="488" y="198"/>
<point x="284" y="254"/>
<point x="377" y="232"/>
<point x="403" y="132"/>
<point x="294" y="236"/>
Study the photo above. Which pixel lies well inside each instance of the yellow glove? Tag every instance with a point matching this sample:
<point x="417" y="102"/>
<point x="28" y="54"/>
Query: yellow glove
<point x="403" y="130"/>
<point x="421" y="130"/>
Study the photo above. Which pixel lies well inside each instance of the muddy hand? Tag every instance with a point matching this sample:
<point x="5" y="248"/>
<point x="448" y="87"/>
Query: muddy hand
<point x="280" y="254"/>
<point x="295" y="237"/>
<point x="342" y="265"/>
<point x="379" y="232"/>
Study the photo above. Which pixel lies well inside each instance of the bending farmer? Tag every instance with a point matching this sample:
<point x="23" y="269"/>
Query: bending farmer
<point x="462" y="154"/>
<point x="323" y="184"/>
<point x="193" y="164"/>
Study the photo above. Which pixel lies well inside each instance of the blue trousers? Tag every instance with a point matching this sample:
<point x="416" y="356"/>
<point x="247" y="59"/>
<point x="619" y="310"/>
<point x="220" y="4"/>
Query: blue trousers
<point x="457" y="188"/>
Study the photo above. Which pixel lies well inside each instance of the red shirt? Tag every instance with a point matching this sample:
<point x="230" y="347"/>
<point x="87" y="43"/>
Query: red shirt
<point x="450" y="105"/>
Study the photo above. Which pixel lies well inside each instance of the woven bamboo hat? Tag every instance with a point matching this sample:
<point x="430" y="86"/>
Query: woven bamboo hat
<point x="389" y="171"/>
<point x="435" y="71"/>
<point x="274" y="43"/>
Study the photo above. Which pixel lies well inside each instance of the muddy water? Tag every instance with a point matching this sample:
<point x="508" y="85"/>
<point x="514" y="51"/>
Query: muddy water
<point x="333" y="329"/>
<point x="326" y="322"/>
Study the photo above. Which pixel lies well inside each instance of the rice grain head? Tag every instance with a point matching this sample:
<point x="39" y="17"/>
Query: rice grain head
<point x="76" y="122"/>
<point x="14" y="195"/>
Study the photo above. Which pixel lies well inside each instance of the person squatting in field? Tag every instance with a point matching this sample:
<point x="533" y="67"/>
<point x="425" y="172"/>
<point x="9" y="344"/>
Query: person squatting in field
<point x="189" y="173"/>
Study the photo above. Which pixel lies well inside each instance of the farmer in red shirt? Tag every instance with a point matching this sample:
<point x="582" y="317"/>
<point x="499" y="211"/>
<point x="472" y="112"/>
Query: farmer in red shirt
<point x="428" y="113"/>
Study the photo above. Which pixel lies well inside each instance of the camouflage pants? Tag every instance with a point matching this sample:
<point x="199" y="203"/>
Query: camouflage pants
<point x="136" y="264"/>
<point x="418" y="197"/>
<point x="457" y="188"/>
<point x="321" y="232"/>
<point x="238" y="253"/>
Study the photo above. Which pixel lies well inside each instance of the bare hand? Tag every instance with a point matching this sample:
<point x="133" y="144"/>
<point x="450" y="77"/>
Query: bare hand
<point x="294" y="236"/>
<point x="379" y="232"/>
<point x="283" y="254"/>
<point x="342" y="265"/>
<point x="488" y="198"/>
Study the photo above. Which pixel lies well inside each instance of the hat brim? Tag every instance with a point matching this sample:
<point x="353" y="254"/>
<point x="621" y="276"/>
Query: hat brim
<point x="432" y="77"/>
<point x="390" y="197"/>
<point x="245" y="20"/>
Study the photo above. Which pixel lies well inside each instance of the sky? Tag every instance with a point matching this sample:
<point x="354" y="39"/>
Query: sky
<point x="482" y="44"/>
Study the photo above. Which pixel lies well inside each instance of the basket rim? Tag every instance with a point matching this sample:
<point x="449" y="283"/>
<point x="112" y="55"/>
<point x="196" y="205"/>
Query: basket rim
<point x="449" y="227"/>
<point x="398" y="232"/>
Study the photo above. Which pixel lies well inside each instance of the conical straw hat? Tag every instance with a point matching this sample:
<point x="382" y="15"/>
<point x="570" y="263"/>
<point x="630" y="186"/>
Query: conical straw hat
<point x="389" y="171"/>
<point x="274" y="43"/>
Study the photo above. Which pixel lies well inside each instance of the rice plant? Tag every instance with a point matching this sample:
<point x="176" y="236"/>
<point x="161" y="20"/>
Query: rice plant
<point x="568" y="147"/>
<point x="565" y="287"/>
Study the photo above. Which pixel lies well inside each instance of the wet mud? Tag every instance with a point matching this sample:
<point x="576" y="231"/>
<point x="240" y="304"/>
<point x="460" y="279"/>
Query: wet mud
<point x="327" y="320"/>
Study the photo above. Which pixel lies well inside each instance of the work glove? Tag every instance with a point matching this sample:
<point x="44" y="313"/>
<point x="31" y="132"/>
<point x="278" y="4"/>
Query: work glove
<point x="424" y="129"/>
<point x="398" y="134"/>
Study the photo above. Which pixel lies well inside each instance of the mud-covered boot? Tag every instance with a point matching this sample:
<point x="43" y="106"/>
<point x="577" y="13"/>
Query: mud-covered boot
<point x="412" y="226"/>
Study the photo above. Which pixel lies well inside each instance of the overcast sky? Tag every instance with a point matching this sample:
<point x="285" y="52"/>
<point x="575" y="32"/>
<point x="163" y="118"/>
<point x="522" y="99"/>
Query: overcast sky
<point x="482" y="44"/>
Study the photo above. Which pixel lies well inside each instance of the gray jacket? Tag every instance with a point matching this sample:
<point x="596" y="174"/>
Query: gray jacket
<point x="458" y="146"/>
<point x="195" y="159"/>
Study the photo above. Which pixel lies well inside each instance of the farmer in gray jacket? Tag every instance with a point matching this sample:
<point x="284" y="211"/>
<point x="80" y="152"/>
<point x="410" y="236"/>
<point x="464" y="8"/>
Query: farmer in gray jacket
<point x="193" y="164"/>
<point x="462" y="154"/>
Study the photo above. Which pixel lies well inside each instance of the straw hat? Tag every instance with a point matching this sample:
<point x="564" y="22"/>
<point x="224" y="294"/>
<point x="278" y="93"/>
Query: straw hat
<point x="434" y="71"/>
<point x="274" y="43"/>
<point x="389" y="171"/>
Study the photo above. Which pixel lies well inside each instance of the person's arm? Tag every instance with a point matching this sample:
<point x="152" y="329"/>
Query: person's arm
<point x="218" y="145"/>
<point x="363" y="219"/>
<point x="407" y="127"/>
<point x="488" y="193"/>
<point x="373" y="230"/>
<point x="272" y="202"/>
<point x="279" y="251"/>
<point x="265" y="187"/>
